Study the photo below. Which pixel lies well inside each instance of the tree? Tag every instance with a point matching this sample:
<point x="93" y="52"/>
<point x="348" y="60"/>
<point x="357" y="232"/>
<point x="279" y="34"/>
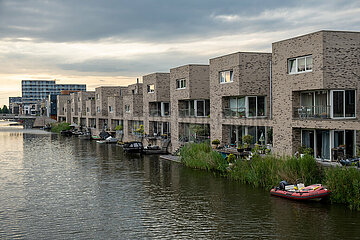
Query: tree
<point x="5" y="109"/>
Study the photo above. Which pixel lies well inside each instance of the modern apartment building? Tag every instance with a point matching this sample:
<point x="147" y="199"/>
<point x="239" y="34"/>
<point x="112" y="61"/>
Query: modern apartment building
<point x="64" y="108"/>
<point x="304" y="93"/>
<point x="101" y="105"/>
<point x="315" y="84"/>
<point x="15" y="104"/>
<point x="190" y="104"/>
<point x="240" y="97"/>
<point x="157" y="110"/>
<point x="34" y="91"/>
<point x="133" y="112"/>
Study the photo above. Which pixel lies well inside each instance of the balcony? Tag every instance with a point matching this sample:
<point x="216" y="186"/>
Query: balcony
<point x="190" y="113"/>
<point x="234" y="112"/>
<point x="157" y="113"/>
<point x="312" y="112"/>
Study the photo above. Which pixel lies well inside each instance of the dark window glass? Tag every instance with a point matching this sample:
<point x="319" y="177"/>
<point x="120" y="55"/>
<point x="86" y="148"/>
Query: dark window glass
<point x="252" y="106"/>
<point x="207" y="107"/>
<point x="200" y="108"/>
<point x="350" y="103"/>
<point x="261" y="106"/>
<point x="252" y="132"/>
<point x="338" y="104"/>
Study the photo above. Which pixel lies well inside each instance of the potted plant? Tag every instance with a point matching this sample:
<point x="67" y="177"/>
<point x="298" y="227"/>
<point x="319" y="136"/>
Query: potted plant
<point x="231" y="158"/>
<point x="119" y="131"/>
<point x="215" y="143"/>
<point x="240" y="148"/>
<point x="247" y="140"/>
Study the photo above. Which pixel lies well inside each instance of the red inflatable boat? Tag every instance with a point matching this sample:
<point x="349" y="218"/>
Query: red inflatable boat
<point x="312" y="192"/>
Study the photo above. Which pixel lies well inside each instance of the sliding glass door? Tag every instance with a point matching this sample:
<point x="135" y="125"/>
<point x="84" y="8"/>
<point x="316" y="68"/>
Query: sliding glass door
<point x="343" y="103"/>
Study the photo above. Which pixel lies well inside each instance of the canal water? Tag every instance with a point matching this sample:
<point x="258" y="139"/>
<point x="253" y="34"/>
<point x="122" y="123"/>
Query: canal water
<point x="55" y="187"/>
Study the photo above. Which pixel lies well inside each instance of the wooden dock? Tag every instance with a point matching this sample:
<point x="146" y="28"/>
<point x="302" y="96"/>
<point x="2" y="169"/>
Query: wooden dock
<point x="171" y="158"/>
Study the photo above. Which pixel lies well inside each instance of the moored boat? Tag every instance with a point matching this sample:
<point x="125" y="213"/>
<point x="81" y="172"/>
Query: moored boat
<point x="109" y="140"/>
<point x="300" y="192"/>
<point x="133" y="147"/>
<point x="66" y="133"/>
<point x="154" y="150"/>
<point x="95" y="137"/>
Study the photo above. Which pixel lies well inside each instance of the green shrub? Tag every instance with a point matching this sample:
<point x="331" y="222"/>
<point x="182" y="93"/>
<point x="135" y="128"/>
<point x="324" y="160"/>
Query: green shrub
<point x="247" y="139"/>
<point x="215" y="142"/>
<point x="60" y="126"/>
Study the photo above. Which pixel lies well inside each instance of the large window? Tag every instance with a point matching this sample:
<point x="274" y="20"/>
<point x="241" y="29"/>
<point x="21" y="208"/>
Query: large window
<point x="195" y="108"/>
<point x="313" y="104"/>
<point x="300" y="64"/>
<point x="180" y="83"/>
<point x="343" y="103"/>
<point x="160" y="128"/>
<point x="226" y="76"/>
<point x="260" y="134"/>
<point x="251" y="106"/>
<point x="151" y="88"/>
<point x="165" y="109"/>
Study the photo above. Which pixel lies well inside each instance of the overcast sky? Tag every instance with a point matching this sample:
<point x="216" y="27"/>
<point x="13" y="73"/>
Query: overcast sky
<point x="112" y="42"/>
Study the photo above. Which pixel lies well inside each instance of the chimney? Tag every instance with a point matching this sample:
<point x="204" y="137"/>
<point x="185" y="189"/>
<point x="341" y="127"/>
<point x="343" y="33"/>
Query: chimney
<point x="137" y="80"/>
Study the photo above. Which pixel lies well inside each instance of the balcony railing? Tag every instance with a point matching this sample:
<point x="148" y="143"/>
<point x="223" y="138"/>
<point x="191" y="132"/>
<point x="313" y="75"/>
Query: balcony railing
<point x="190" y="113"/>
<point x="234" y="112"/>
<point x="309" y="112"/>
<point x="157" y="113"/>
<point x="197" y="139"/>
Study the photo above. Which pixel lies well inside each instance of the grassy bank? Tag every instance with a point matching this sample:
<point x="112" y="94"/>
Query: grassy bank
<point x="268" y="171"/>
<point x="59" y="126"/>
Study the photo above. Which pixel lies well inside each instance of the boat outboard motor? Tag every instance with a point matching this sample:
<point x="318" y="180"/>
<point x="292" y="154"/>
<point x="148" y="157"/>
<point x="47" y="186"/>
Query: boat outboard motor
<point x="283" y="184"/>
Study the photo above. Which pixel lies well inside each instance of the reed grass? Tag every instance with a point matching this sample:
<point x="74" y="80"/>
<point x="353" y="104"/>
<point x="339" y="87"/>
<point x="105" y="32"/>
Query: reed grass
<point x="267" y="171"/>
<point x="344" y="184"/>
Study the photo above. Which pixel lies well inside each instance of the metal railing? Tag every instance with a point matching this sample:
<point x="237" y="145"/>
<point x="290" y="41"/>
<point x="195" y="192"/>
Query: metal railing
<point x="190" y="113"/>
<point x="234" y="112"/>
<point x="197" y="139"/>
<point x="307" y="112"/>
<point x="157" y="113"/>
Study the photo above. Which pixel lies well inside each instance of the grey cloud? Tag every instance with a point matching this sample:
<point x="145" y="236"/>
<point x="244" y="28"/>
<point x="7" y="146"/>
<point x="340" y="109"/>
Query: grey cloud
<point x="143" y="65"/>
<point x="160" y="20"/>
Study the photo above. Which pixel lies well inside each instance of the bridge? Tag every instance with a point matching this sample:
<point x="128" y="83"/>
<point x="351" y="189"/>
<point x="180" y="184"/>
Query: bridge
<point x="28" y="121"/>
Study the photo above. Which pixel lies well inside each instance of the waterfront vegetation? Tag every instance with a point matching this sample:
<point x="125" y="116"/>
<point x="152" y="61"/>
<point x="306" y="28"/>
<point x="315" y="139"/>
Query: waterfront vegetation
<point x="59" y="126"/>
<point x="267" y="171"/>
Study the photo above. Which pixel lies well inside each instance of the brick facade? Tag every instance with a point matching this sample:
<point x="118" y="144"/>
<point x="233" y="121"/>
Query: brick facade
<point x="263" y="79"/>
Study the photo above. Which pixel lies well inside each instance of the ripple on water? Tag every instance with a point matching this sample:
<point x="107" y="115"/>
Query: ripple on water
<point x="65" y="188"/>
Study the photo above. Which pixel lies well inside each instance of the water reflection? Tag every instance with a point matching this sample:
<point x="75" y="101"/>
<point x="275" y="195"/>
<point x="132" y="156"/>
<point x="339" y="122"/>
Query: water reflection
<point x="58" y="187"/>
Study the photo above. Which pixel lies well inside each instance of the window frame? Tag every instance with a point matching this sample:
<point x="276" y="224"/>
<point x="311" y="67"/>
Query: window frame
<point x="344" y="103"/>
<point x="151" y="88"/>
<point x="296" y="59"/>
<point x="181" y="83"/>
<point x="231" y="76"/>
